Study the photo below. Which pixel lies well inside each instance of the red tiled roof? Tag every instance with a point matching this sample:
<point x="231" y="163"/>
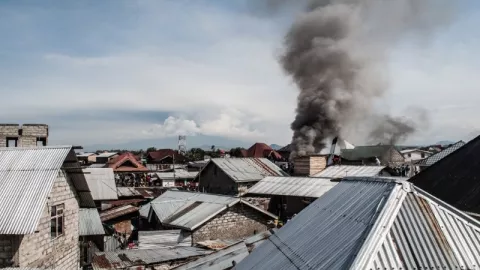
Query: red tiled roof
<point x="261" y="150"/>
<point x="127" y="163"/>
<point x="164" y="153"/>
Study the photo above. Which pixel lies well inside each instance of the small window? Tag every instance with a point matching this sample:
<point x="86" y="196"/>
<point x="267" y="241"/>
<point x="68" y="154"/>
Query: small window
<point x="12" y="142"/>
<point x="409" y="155"/>
<point x="423" y="155"/>
<point x="56" y="221"/>
<point x="41" y="141"/>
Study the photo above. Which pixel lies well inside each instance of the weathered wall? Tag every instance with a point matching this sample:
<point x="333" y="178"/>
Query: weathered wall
<point x="213" y="180"/>
<point x="392" y="156"/>
<point x="238" y="222"/>
<point x="27" y="134"/>
<point x="39" y="249"/>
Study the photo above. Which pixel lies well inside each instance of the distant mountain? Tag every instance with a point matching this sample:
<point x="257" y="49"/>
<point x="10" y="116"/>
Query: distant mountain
<point x="444" y="143"/>
<point x="275" y="146"/>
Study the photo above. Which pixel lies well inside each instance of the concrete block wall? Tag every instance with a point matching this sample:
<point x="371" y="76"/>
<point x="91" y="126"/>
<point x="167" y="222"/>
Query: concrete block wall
<point x="39" y="249"/>
<point x="239" y="221"/>
<point x="27" y="134"/>
<point x="8" y="130"/>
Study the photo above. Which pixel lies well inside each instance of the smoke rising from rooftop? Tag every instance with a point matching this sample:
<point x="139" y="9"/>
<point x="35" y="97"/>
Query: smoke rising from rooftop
<point x="336" y="53"/>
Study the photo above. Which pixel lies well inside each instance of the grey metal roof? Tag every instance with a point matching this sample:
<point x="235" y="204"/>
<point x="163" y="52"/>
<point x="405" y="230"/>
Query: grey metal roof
<point x="98" y="165"/>
<point x="219" y="260"/>
<point x="108" y="154"/>
<point x="101" y="182"/>
<point x="293" y="186"/>
<point x="144" y="210"/>
<point x="133" y="257"/>
<point x="372" y="224"/>
<point x="188" y="210"/>
<point x="26" y="179"/>
<point x="179" y="174"/>
<point x="340" y="171"/>
<point x="127" y="192"/>
<point x="248" y="169"/>
<point x="440" y="155"/>
<point x="85" y="154"/>
<point x="89" y="222"/>
<point x="163" y="238"/>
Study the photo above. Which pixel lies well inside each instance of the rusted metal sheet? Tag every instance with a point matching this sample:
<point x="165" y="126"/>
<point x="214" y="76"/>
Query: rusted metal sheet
<point x="117" y="212"/>
<point x="248" y="169"/>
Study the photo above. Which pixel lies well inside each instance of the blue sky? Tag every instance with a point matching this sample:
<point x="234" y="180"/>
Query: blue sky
<point x="140" y="72"/>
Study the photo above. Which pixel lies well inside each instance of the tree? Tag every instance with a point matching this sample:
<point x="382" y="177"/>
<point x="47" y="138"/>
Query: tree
<point x="195" y="154"/>
<point x="151" y="149"/>
<point x="236" y="152"/>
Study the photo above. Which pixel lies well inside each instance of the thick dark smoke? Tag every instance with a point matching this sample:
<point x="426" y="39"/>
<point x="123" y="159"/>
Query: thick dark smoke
<point x="335" y="52"/>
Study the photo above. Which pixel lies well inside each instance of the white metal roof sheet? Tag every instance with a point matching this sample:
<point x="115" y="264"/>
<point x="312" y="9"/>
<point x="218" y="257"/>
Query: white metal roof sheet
<point x="248" y="169"/>
<point x="163" y="238"/>
<point x="372" y="224"/>
<point x="339" y="171"/>
<point x="127" y="192"/>
<point x="89" y="222"/>
<point x="293" y="186"/>
<point x="179" y="174"/>
<point x="133" y="257"/>
<point x="101" y="182"/>
<point x="108" y="154"/>
<point x="220" y="260"/>
<point x="26" y="179"/>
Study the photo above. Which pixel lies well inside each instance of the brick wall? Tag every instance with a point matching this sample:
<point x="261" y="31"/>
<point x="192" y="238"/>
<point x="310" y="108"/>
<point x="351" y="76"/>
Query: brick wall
<point x="39" y="249"/>
<point x="29" y="133"/>
<point x="7" y="130"/>
<point x="238" y="222"/>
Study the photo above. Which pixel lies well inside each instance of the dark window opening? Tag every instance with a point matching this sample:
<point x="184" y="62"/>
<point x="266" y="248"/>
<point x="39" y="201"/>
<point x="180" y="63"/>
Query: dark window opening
<point x="409" y="155"/>
<point x="423" y="155"/>
<point x="12" y="142"/>
<point x="57" y="221"/>
<point x="41" y="141"/>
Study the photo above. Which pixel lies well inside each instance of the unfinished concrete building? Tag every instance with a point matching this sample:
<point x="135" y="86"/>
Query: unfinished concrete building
<point x="27" y="135"/>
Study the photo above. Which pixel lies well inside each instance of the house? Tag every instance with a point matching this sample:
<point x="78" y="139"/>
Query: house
<point x="455" y="178"/>
<point x="91" y="234"/>
<point x="262" y="150"/>
<point x="208" y="216"/>
<point x="121" y="220"/>
<point x="27" y="135"/>
<point x="165" y="158"/>
<point x="178" y="177"/>
<point x="429" y="161"/>
<point x="42" y="190"/>
<point x="365" y="223"/>
<point x="126" y="163"/>
<point x="101" y="183"/>
<point x="105" y="157"/>
<point x="86" y="158"/>
<point x="388" y="155"/>
<point x="341" y="144"/>
<point x="233" y="176"/>
<point x="411" y="155"/>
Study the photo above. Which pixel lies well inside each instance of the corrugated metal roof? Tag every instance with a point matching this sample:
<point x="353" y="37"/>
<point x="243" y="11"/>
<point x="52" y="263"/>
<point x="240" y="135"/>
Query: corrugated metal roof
<point x="293" y="186"/>
<point x="179" y="174"/>
<point x="145" y="210"/>
<point x="127" y="192"/>
<point x="134" y="257"/>
<point x="85" y="154"/>
<point x="164" y="238"/>
<point x="373" y="224"/>
<point x="26" y="179"/>
<point x="97" y="165"/>
<point x="108" y="154"/>
<point x="248" y="169"/>
<point x="429" y="161"/>
<point x="219" y="260"/>
<point x="89" y="222"/>
<point x="327" y="233"/>
<point x="188" y="210"/>
<point x="340" y="171"/>
<point x="101" y="183"/>
<point x="22" y="268"/>
<point x="117" y="212"/>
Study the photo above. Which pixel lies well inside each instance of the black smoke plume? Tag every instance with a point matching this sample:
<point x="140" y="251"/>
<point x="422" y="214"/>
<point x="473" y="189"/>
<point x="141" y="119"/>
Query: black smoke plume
<point x="335" y="51"/>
